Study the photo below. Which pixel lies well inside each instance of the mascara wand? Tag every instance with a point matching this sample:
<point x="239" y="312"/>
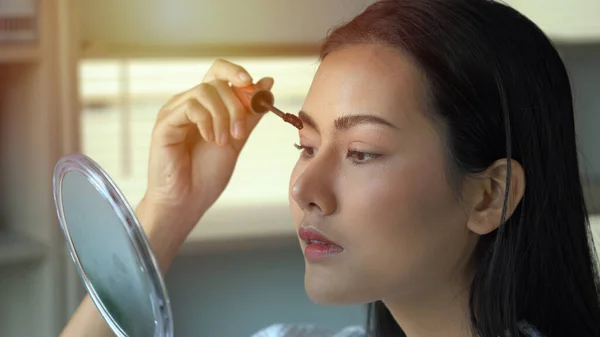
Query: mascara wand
<point x="261" y="101"/>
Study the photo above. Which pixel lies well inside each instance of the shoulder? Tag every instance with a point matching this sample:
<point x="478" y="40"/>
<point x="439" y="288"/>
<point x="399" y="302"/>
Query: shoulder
<point x="308" y="330"/>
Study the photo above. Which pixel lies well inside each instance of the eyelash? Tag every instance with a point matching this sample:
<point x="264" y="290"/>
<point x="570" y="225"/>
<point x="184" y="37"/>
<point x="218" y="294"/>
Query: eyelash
<point x="349" y="153"/>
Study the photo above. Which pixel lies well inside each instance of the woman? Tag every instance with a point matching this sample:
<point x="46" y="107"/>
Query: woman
<point x="438" y="158"/>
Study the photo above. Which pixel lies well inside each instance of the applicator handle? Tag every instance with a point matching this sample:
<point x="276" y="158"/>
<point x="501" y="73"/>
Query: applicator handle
<point x="259" y="101"/>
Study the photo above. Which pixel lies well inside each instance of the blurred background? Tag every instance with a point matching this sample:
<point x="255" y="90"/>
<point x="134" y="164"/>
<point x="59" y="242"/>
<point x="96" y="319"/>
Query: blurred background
<point x="90" y="76"/>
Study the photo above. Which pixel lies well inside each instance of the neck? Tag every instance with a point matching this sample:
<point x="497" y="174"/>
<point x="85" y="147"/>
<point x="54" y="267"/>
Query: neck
<point x="438" y="313"/>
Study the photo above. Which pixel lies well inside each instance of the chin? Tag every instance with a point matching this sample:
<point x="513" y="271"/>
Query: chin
<point x="331" y="291"/>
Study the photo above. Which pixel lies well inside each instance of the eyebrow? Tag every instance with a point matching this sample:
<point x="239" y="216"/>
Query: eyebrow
<point x="346" y="122"/>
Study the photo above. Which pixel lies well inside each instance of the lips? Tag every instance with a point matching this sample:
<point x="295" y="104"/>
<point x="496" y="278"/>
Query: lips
<point x="318" y="246"/>
<point x="310" y="235"/>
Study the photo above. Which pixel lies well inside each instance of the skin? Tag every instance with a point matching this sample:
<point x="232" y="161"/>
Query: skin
<point x="380" y="191"/>
<point x="407" y="239"/>
<point x="403" y="231"/>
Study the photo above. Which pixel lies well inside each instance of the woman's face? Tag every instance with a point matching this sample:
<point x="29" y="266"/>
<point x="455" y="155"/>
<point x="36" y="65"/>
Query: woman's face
<point x="372" y="179"/>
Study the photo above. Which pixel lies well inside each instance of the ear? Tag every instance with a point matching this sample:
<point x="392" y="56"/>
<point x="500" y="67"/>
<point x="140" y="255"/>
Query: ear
<point x="487" y="195"/>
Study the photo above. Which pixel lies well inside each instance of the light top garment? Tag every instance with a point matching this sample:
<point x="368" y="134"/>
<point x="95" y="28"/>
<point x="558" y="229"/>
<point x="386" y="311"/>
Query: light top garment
<point x="307" y="330"/>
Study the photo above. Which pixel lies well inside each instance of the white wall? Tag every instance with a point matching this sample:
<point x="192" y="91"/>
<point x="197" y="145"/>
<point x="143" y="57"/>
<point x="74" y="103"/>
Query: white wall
<point x="158" y="22"/>
<point x="209" y="21"/>
<point x="583" y="63"/>
<point x="563" y="19"/>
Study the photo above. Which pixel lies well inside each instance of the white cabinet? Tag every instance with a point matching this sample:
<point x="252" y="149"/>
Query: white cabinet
<point x="38" y="99"/>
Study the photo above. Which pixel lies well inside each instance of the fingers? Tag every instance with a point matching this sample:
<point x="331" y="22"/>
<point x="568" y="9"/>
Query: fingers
<point x="221" y="70"/>
<point x="176" y="124"/>
<point x="226" y="71"/>
<point x="265" y="83"/>
<point x="242" y="122"/>
<point x="237" y="111"/>
<point x="211" y="108"/>
<point x="210" y="98"/>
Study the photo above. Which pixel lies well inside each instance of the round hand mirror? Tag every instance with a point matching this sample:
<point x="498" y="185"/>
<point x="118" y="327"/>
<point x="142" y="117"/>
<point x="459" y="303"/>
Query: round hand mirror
<point x="110" y="250"/>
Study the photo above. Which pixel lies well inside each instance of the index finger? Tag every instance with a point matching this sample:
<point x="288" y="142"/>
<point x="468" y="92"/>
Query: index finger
<point x="223" y="70"/>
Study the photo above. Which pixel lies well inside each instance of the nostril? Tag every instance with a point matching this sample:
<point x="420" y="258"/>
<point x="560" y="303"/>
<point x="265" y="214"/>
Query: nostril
<point x="314" y="205"/>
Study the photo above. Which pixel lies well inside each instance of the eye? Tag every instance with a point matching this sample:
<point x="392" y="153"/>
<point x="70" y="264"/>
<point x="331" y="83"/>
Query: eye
<point x="359" y="158"/>
<point x="306" y="151"/>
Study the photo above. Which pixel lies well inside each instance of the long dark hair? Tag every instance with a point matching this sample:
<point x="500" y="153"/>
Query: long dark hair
<point x="500" y="90"/>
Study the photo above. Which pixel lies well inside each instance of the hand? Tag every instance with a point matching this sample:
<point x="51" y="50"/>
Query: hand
<point x="195" y="144"/>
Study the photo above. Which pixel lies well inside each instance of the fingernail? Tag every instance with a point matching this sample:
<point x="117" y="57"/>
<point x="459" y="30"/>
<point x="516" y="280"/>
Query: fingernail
<point x="238" y="130"/>
<point x="223" y="139"/>
<point x="245" y="77"/>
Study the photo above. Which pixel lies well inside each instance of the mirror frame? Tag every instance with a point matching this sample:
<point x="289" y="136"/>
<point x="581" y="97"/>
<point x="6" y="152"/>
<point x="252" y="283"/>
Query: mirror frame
<point x="161" y="306"/>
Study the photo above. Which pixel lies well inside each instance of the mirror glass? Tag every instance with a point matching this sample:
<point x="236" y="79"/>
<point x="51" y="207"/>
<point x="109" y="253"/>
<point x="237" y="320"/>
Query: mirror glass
<point x="110" y="250"/>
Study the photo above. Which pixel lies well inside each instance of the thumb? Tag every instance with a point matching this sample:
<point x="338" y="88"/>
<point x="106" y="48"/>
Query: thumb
<point x="265" y="83"/>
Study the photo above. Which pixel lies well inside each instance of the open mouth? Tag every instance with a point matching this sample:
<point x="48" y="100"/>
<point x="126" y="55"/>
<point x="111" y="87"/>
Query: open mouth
<point x="317" y="242"/>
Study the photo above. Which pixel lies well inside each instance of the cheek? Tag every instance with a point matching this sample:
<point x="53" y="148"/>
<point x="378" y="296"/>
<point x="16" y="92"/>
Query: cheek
<point x="406" y="227"/>
<point x="394" y="201"/>
<point x="397" y="213"/>
<point x="297" y="213"/>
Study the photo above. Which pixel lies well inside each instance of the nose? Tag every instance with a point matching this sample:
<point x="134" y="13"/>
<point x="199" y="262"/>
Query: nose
<point x="313" y="189"/>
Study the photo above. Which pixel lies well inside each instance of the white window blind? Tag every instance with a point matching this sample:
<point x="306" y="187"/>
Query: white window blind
<point x="121" y="99"/>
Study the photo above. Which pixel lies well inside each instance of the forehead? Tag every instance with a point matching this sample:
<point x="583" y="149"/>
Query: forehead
<point x="370" y="79"/>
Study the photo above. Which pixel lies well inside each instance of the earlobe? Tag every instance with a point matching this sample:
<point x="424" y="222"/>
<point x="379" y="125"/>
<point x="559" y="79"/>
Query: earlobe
<point x="489" y="195"/>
